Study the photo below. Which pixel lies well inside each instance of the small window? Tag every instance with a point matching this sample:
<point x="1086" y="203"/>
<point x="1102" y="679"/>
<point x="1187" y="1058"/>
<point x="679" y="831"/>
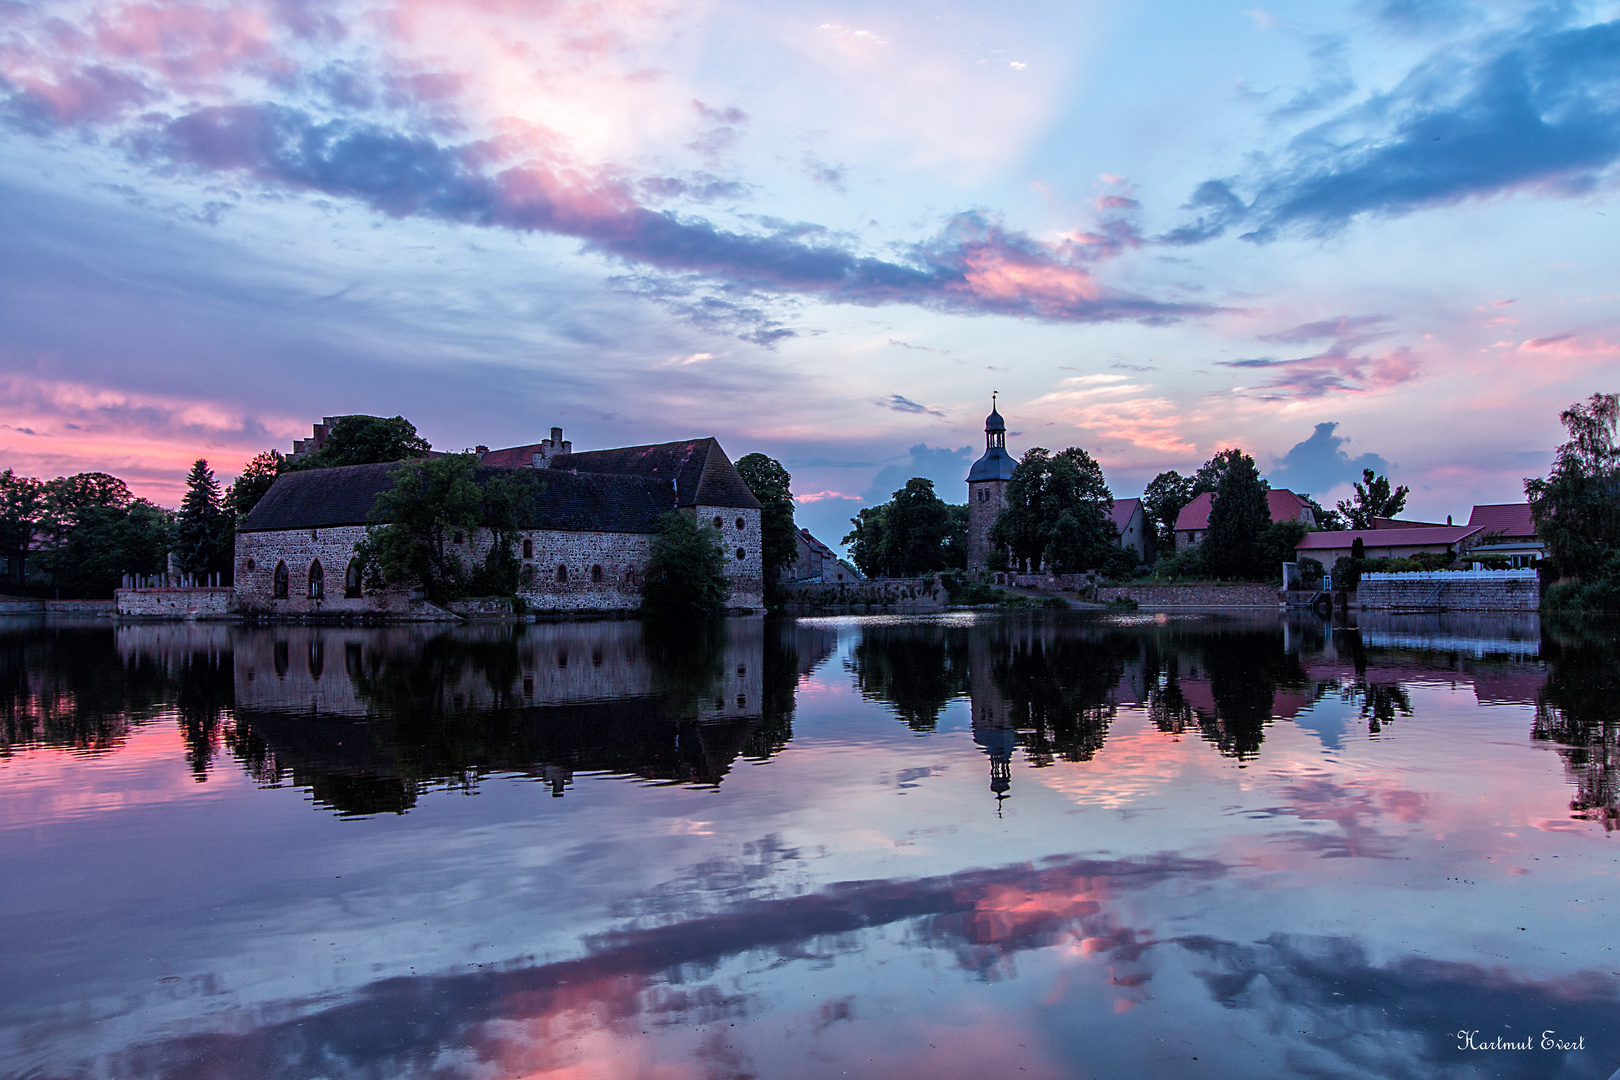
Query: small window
<point x="351" y="581"/>
<point x="630" y="576"/>
<point x="280" y="589"/>
<point x="317" y="581"/>
<point x="528" y="548"/>
<point x="719" y="522"/>
<point x="527" y="577"/>
<point x="742" y="523"/>
<point x="562" y="574"/>
<point x="596" y="575"/>
<point x="250" y="566"/>
<point x="314" y="534"/>
<point x="742" y="553"/>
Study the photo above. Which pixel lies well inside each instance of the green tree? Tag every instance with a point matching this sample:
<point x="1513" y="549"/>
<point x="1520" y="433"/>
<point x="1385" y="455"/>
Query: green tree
<point x="21" y="509"/>
<point x="686" y="575"/>
<point x="255" y="479"/>
<point x="508" y="508"/>
<point x="1059" y="510"/>
<point x="1577" y="507"/>
<point x="1374" y="499"/>
<point x="366" y="440"/>
<point x="418" y="519"/>
<point x="868" y="548"/>
<point x="1162" y="501"/>
<point x="1326" y="520"/>
<point x="772" y="485"/>
<point x="914" y="530"/>
<point x="64" y="504"/>
<point x="1275" y="545"/>
<point x="203" y="531"/>
<point x="956" y="536"/>
<point x="105" y="542"/>
<point x="1237" y="519"/>
<point x="1208" y="476"/>
<point x="1022" y="526"/>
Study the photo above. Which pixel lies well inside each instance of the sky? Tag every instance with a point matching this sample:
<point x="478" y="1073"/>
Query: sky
<point x="1338" y="236"/>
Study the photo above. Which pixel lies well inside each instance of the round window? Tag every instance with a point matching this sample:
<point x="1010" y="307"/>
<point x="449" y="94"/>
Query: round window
<point x="742" y="553"/>
<point x="741" y="523"/>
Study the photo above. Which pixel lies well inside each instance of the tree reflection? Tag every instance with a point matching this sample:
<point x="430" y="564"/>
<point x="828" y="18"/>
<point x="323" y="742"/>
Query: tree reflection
<point x="915" y="669"/>
<point x="71" y="687"/>
<point x="1579" y="709"/>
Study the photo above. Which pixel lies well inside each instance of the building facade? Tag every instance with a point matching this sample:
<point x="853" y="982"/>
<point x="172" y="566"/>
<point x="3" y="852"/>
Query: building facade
<point x="592" y="523"/>
<point x="987" y="491"/>
<point x="1192" y="524"/>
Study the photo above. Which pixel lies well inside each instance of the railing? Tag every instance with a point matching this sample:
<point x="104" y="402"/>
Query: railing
<point x="1446" y="577"/>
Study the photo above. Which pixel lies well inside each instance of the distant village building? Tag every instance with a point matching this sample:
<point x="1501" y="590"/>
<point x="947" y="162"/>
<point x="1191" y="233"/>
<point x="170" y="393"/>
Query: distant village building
<point x="1328" y="547"/>
<point x="1192" y="524"/>
<point x="987" y="490"/>
<point x="814" y="561"/>
<point x="1131" y="521"/>
<point x="1510" y="530"/>
<point x="595" y="514"/>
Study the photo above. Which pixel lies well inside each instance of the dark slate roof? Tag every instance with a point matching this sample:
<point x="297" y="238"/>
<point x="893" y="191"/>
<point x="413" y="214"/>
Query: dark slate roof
<point x="567" y="501"/>
<point x="514" y="456"/>
<point x="700" y="469"/>
<point x="996" y="464"/>
<point x="314" y="498"/>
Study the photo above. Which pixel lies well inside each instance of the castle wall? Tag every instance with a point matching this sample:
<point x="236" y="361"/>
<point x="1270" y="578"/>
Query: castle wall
<point x="986" y="498"/>
<point x="747" y="573"/>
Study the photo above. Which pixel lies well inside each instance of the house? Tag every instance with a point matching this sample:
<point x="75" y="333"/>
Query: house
<point x="815" y="561"/>
<point x="1327" y="547"/>
<point x="1192" y="524"/>
<point x="593" y="519"/>
<point x="1131" y="521"/>
<point x="1509" y="530"/>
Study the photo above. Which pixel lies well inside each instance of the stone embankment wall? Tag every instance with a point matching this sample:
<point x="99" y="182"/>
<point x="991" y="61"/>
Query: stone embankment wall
<point x="200" y="603"/>
<point x="1173" y="597"/>
<point x="22" y="605"/>
<point x="1488" y="590"/>
<point x="898" y="595"/>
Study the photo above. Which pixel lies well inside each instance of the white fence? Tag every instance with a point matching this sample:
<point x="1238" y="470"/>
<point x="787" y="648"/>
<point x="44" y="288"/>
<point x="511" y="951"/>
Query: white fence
<point x="1447" y="576"/>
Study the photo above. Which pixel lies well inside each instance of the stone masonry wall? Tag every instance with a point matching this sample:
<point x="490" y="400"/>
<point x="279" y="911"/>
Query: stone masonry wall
<point x="205" y="603"/>
<point x="920" y="594"/>
<point x="1462" y="595"/>
<point x="982" y="515"/>
<point x="746" y="573"/>
<point x="257" y="554"/>
<point x="1170" y="597"/>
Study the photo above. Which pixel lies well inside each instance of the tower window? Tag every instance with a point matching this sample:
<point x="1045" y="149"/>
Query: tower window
<point x="742" y="553"/>
<point x="742" y="523"/>
<point x="527" y="577"/>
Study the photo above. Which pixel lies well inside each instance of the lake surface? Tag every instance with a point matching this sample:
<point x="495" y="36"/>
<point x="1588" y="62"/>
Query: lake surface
<point x="970" y="845"/>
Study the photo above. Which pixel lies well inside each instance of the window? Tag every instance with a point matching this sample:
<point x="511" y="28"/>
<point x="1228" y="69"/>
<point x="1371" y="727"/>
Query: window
<point x="528" y="547"/>
<point x="719" y="522"/>
<point x="596" y="575"/>
<point x="250" y="566"/>
<point x="742" y="553"/>
<point x="279" y="591"/>
<point x="527" y="577"/>
<point x="351" y="581"/>
<point x="562" y="574"/>
<point x="317" y="581"/>
<point x="742" y="523"/>
<point x="630" y="576"/>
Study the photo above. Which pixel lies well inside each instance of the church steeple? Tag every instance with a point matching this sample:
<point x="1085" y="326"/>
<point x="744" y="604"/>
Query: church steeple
<point x="995" y="428"/>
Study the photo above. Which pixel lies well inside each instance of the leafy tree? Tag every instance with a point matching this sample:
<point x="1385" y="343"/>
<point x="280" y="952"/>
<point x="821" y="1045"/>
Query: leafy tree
<point x="203" y="531"/>
<point x="1577" y="507"/>
<point x="418" y="518"/>
<point x="914" y="530"/>
<point x="1374" y="499"/>
<point x="255" y="479"/>
<point x="105" y="542"/>
<point x="1163" y="500"/>
<point x="1059" y="510"/>
<point x="63" y="505"/>
<point x="686" y="576"/>
<point x="366" y="440"/>
<point x="772" y="486"/>
<point x="508" y="509"/>
<point x="866" y="541"/>
<point x="1326" y="520"/>
<point x="1208" y="476"/>
<point x="1275" y="545"/>
<point x="1237" y="519"/>
<point x="21" y="507"/>
<point x="955" y="543"/>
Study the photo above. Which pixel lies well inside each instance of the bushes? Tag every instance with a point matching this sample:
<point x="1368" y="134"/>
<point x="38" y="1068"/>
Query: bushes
<point x="686" y="577"/>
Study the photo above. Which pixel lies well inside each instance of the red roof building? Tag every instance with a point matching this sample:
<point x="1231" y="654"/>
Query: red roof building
<point x="1192" y="524"/>
<point x="1326" y="547"/>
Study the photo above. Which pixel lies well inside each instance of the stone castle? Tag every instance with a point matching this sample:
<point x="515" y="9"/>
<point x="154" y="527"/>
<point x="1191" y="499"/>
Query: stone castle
<point x="594" y="517"/>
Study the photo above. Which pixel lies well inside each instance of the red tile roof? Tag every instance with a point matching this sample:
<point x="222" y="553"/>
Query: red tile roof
<point x="1123" y="509"/>
<point x="1283" y="504"/>
<point x="1509" y="519"/>
<point x="1374" y="539"/>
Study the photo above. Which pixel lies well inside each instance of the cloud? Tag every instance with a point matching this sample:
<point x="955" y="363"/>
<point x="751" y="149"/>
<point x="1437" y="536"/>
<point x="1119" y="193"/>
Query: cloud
<point x="818" y="496"/>
<point x="824" y="175"/>
<point x="900" y="403"/>
<point x="1537" y="107"/>
<point x="947" y="468"/>
<point x="1338" y="367"/>
<point x="1319" y="463"/>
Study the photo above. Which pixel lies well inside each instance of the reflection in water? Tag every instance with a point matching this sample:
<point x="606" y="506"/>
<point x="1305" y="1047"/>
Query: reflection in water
<point x="1196" y="817"/>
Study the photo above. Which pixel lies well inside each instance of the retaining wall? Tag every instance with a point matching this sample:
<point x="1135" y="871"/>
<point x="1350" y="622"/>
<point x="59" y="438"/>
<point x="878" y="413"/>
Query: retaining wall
<point x="1502" y="590"/>
<point x="22" y="605"/>
<point x="904" y="595"/>
<point x="1171" y="597"/>
<point x="209" y="603"/>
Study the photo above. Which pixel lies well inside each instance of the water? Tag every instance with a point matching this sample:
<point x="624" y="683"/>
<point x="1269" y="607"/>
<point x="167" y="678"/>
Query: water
<point x="956" y="846"/>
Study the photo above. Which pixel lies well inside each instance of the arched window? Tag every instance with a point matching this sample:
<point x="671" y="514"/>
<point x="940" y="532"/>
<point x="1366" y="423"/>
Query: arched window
<point x="719" y="522"/>
<point x="527" y="577"/>
<point x="742" y="553"/>
<point x="317" y="581"/>
<point x="596" y="575"/>
<point x="351" y="581"/>
<point x="280" y="589"/>
<point x="562" y="573"/>
<point x="631" y="577"/>
<point x="528" y="548"/>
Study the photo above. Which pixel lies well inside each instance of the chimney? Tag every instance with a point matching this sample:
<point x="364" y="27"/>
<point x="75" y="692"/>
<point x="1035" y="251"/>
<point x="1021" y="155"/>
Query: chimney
<point x="480" y="450"/>
<point x="1448" y="519"/>
<point x="556" y="438"/>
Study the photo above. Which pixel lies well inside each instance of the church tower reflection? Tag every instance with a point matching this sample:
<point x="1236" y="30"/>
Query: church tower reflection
<point x="993" y="729"/>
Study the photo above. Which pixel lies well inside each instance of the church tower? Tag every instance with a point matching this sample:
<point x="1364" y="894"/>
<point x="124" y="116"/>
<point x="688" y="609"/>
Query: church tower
<point x="987" y="489"/>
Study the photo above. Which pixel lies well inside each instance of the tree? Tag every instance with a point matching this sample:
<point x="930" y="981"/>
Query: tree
<point x="1276" y="545"/>
<point x="256" y="477"/>
<point x="508" y="508"/>
<point x="1577" y="507"/>
<point x="64" y="502"/>
<point x="1021" y="527"/>
<point x="1374" y="499"/>
<point x="956" y="536"/>
<point x="686" y="575"/>
<point x="1163" y="500"/>
<point x="772" y="485"/>
<point x="105" y="542"/>
<point x="203" y="531"/>
<point x="914" y="530"/>
<point x="431" y="502"/>
<point x="1237" y="519"/>
<point x="1059" y="511"/>
<point x="21" y="507"/>
<point x="1208" y="476"/>
<point x="366" y="440"/>
<point x="866" y="541"/>
<point x="1326" y="520"/>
